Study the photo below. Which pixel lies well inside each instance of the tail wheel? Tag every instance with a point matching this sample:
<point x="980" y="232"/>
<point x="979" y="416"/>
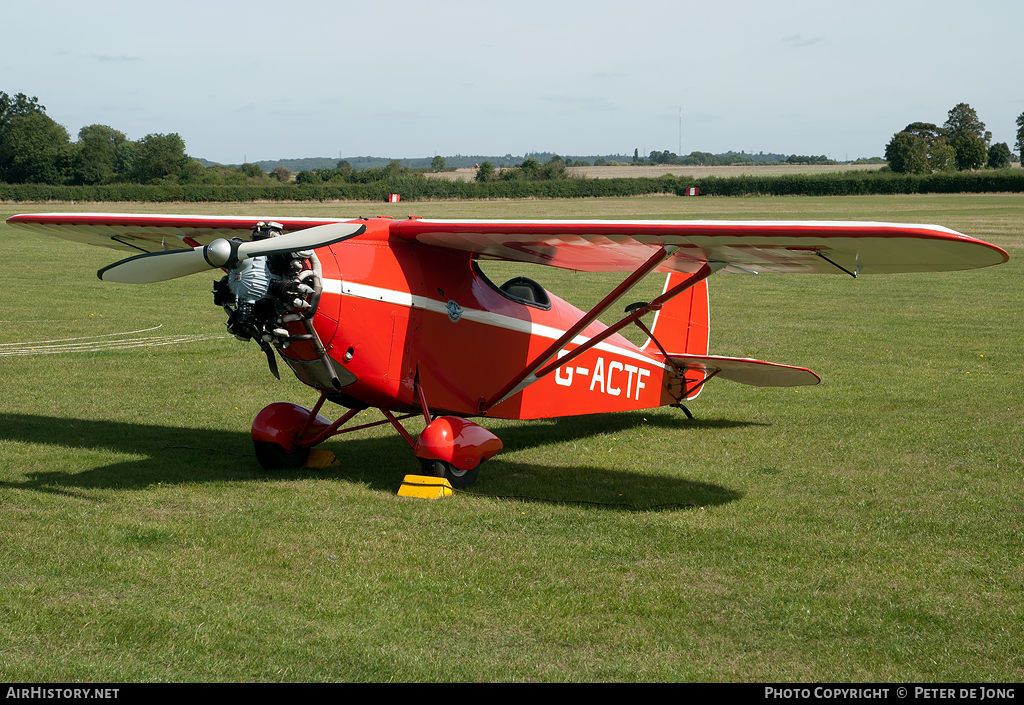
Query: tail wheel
<point x="456" y="476"/>
<point x="272" y="456"/>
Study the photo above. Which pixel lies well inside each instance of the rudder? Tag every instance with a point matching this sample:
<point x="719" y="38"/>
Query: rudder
<point x="683" y="323"/>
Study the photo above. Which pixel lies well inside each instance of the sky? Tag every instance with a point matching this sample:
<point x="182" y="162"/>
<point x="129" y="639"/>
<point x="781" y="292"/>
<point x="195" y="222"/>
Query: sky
<point x="255" y="80"/>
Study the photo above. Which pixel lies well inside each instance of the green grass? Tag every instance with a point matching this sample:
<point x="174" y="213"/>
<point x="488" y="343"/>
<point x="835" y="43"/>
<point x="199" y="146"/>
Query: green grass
<point x="867" y="529"/>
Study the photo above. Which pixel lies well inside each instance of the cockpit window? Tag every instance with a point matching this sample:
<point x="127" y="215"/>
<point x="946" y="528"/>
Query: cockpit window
<point x="526" y="291"/>
<point x="522" y="290"/>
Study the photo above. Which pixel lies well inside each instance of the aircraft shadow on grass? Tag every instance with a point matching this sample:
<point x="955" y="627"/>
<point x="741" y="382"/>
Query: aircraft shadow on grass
<point x="189" y="455"/>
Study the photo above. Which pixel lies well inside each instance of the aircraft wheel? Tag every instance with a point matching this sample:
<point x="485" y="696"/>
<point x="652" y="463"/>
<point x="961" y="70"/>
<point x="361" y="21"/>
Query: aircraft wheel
<point x="272" y="456"/>
<point x="457" y="477"/>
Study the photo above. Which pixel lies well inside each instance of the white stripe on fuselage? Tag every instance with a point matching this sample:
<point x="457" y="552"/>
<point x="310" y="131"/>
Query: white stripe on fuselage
<point x="404" y="298"/>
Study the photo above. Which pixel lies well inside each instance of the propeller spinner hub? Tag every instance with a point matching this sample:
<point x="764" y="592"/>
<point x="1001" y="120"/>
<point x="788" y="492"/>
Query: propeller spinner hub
<point x="221" y="253"/>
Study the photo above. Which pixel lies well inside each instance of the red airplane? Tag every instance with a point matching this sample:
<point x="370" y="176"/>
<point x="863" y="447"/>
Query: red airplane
<point x="396" y="314"/>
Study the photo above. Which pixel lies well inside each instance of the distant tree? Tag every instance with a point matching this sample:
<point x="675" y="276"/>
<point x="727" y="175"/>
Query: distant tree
<point x="665" y="157"/>
<point x="528" y="170"/>
<point x="808" y="159"/>
<point x="907" y="154"/>
<point x="999" y="156"/>
<point x="437" y="163"/>
<point x="282" y="174"/>
<point x="963" y="119"/>
<point x="251" y="170"/>
<point x="553" y="169"/>
<point x="966" y="133"/>
<point x="927" y="131"/>
<point x="20" y="104"/>
<point x="970" y="151"/>
<point x="941" y="156"/>
<point x="160" y="158"/>
<point x="101" y="157"/>
<point x="636" y="155"/>
<point x="485" y="172"/>
<point x="307" y="177"/>
<point x="192" y="171"/>
<point x="1020" y="134"/>
<point x="124" y="158"/>
<point x="34" y="149"/>
<point x="368" y="176"/>
<point x="600" y="161"/>
<point x="220" y="174"/>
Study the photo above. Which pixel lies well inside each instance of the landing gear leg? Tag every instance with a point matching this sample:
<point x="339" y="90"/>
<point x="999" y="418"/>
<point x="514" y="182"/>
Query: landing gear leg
<point x="685" y="410"/>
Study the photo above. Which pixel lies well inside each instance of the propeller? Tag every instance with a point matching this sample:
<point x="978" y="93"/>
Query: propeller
<point x="171" y="264"/>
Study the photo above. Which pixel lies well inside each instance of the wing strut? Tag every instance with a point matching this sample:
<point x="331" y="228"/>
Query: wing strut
<point x="527" y="376"/>
<point x="538" y="369"/>
<point x="853" y="274"/>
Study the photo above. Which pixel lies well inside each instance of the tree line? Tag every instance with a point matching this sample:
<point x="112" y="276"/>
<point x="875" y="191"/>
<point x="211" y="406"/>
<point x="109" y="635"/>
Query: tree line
<point x="962" y="143"/>
<point x="414" y="187"/>
<point x="35" y="149"/>
<point x="529" y="169"/>
<point x="726" y="159"/>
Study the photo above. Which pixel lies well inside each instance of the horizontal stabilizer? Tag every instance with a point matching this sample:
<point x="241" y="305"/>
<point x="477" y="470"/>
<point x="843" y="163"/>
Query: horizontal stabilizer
<point x="745" y="370"/>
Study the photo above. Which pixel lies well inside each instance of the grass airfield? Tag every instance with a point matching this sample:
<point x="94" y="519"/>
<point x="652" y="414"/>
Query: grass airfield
<point x="870" y="528"/>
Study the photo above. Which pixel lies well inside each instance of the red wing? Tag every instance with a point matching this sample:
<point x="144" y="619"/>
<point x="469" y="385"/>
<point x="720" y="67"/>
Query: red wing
<point x="766" y="246"/>
<point x="590" y="246"/>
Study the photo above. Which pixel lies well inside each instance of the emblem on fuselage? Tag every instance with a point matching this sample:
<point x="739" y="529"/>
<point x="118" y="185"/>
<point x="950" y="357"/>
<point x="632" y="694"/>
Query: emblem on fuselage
<point x="454" y="311"/>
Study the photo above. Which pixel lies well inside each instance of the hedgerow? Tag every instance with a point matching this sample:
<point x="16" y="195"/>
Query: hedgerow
<point x="418" y="188"/>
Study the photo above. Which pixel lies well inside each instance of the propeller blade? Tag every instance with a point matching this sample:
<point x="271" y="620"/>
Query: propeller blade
<point x="310" y="239"/>
<point x="161" y="266"/>
<point x="155" y="267"/>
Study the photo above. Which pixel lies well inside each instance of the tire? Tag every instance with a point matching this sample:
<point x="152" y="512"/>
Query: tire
<point x="457" y="478"/>
<point x="272" y="456"/>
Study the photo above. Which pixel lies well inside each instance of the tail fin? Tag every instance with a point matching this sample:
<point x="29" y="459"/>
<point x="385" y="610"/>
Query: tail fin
<point x="682" y="324"/>
<point x="682" y="327"/>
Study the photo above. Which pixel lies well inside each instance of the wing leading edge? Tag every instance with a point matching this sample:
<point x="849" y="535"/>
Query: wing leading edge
<point x="152" y="233"/>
